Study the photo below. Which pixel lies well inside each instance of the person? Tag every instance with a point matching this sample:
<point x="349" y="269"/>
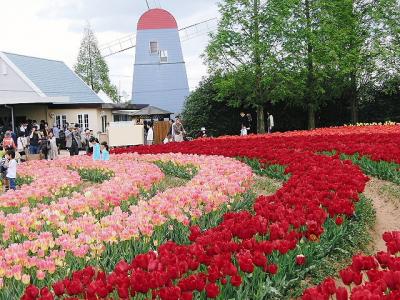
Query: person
<point x="11" y="169"/>
<point x="8" y="141"/>
<point x="270" y="122"/>
<point x="73" y="141"/>
<point x="105" y="154"/>
<point x="56" y="134"/>
<point x="22" y="143"/>
<point x="243" y="132"/>
<point x="178" y="130"/>
<point x="168" y="139"/>
<point x="22" y="128"/>
<point x="244" y="121"/>
<point x="249" y="123"/>
<point x="53" y="152"/>
<point x="86" y="141"/>
<point x="170" y="130"/>
<point x="42" y="125"/>
<point x="203" y="133"/>
<point x="150" y="134"/>
<point x="146" y="129"/>
<point x="34" y="141"/>
<point x="96" y="148"/>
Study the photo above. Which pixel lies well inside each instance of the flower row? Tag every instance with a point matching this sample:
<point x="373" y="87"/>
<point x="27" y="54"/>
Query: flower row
<point x="372" y="277"/>
<point x="242" y="243"/>
<point x="84" y="223"/>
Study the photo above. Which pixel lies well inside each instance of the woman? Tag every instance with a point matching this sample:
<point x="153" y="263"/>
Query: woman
<point x="21" y="144"/>
<point x="150" y="135"/>
<point x="53" y="152"/>
<point x="34" y="139"/>
<point x="178" y="130"/>
<point x="8" y="141"/>
<point x="105" y="154"/>
<point x="96" y="148"/>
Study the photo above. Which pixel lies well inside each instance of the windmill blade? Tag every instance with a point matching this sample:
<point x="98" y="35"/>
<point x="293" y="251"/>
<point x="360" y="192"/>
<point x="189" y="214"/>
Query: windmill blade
<point x="117" y="46"/>
<point x="186" y="33"/>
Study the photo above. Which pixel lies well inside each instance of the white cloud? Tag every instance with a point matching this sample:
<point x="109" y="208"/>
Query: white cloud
<point x="53" y="29"/>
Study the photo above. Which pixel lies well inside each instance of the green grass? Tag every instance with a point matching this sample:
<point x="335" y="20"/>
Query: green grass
<point x="271" y="171"/>
<point x="187" y="171"/>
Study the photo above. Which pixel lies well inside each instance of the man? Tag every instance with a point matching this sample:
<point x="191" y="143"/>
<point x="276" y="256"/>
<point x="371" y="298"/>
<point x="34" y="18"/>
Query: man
<point x="73" y="141"/>
<point x="270" y="122"/>
<point x="56" y="134"/>
<point x="34" y="139"/>
<point x="249" y="122"/>
<point x="86" y="140"/>
<point x="244" y="122"/>
<point x="178" y="131"/>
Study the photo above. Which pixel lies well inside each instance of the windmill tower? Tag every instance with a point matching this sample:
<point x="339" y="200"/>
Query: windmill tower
<point x="159" y="77"/>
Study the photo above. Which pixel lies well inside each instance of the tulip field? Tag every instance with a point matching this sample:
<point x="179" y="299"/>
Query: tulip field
<point x="82" y="229"/>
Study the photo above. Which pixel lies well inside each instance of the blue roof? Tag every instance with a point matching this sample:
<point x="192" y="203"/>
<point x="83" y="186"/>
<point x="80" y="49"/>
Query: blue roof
<point x="54" y="78"/>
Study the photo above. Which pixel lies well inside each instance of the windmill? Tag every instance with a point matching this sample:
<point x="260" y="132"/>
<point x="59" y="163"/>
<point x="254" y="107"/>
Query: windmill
<point x="159" y="77"/>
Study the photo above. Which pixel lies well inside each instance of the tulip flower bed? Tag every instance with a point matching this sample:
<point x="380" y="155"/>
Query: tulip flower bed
<point x="46" y="239"/>
<point x="257" y="251"/>
<point x="372" y="277"/>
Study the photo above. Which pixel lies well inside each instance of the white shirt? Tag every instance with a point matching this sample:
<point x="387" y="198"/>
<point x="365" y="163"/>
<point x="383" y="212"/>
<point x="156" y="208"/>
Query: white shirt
<point x="150" y="134"/>
<point x="21" y="143"/>
<point x="12" y="169"/>
<point x="56" y="132"/>
<point x="271" y="121"/>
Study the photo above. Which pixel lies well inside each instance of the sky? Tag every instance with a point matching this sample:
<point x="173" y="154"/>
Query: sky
<point x="53" y="29"/>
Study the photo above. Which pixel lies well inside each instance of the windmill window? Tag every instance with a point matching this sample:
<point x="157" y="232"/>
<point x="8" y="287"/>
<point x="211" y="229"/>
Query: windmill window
<point x="153" y="47"/>
<point x="163" y="56"/>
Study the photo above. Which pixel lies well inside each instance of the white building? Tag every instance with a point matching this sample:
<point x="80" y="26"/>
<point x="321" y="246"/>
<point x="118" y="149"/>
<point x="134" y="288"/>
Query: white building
<point x="43" y="89"/>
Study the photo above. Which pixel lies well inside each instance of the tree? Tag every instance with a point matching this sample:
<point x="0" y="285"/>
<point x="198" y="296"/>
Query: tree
<point x="200" y="110"/>
<point x="366" y="32"/>
<point x="241" y="54"/>
<point x="92" y="67"/>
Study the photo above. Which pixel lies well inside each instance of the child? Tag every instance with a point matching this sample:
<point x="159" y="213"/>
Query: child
<point x="11" y="168"/>
<point x="53" y="153"/>
<point x="105" y="155"/>
<point x="243" y="131"/>
<point x="96" y="148"/>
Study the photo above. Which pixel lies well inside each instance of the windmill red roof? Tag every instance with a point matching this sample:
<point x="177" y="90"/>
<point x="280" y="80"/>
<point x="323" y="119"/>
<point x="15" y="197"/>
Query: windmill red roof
<point x="157" y="18"/>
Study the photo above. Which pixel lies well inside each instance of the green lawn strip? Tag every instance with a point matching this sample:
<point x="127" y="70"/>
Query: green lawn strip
<point x="271" y="171"/>
<point x="183" y="171"/>
<point x="94" y="175"/>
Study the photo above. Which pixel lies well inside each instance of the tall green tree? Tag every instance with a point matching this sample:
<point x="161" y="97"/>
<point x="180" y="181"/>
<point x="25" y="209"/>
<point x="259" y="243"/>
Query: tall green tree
<point x="241" y="53"/>
<point x="92" y="67"/>
<point x="366" y="34"/>
<point x="201" y="110"/>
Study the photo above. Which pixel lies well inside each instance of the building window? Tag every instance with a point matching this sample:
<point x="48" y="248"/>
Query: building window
<point x="163" y="56"/>
<point x="83" y="121"/>
<point x="61" y="121"/>
<point x="153" y="47"/>
<point x="3" y="68"/>
<point x="122" y="118"/>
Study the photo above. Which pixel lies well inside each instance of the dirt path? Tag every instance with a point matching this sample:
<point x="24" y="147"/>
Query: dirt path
<point x="386" y="199"/>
